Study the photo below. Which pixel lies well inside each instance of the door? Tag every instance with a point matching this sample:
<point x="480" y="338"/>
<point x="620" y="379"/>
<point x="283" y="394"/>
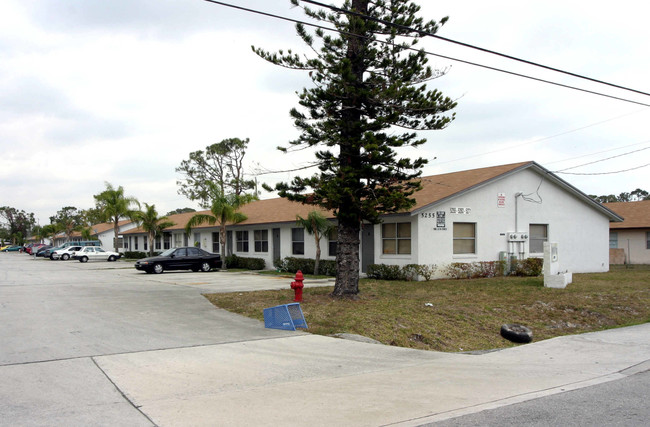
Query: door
<point x="367" y="246"/>
<point x="276" y="244"/>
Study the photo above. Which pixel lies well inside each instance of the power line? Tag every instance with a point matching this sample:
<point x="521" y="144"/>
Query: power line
<point x="598" y="152"/>
<point x="510" y="147"/>
<point x="602" y="160"/>
<point x="512" y="73"/>
<point x="492" y="52"/>
<point x="606" y="173"/>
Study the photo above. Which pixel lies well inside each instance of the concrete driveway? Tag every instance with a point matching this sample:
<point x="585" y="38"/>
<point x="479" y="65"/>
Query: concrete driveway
<point x="102" y="344"/>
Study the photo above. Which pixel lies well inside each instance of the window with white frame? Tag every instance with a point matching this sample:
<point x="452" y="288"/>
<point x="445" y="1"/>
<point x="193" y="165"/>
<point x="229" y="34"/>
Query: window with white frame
<point x="261" y="239"/>
<point x="537" y="234"/>
<point x="396" y="238"/>
<point x="158" y="243"/>
<point x="135" y="243"/>
<point x="242" y="240"/>
<point x="197" y="240"/>
<point x="647" y="240"/>
<point x="464" y="238"/>
<point x="145" y="243"/>
<point x="333" y="240"/>
<point x="167" y="240"/>
<point x="613" y="240"/>
<point x="298" y="241"/>
<point x="178" y="240"/>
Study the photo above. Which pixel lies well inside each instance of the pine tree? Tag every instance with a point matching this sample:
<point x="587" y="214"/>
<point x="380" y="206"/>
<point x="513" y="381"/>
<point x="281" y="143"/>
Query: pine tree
<point x="369" y="99"/>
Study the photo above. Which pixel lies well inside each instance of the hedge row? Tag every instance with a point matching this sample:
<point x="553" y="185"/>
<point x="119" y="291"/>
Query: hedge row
<point x="136" y="254"/>
<point x="408" y="272"/>
<point x="306" y="265"/>
<point x="234" y="261"/>
<point x="474" y="270"/>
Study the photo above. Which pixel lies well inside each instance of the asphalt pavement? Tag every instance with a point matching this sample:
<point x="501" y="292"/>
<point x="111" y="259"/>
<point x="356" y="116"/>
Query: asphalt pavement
<point x="103" y="344"/>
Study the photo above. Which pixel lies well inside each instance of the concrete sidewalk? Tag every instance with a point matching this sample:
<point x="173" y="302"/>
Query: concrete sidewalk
<point x="315" y="380"/>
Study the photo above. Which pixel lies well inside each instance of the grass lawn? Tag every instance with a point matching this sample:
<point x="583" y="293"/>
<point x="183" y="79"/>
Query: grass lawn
<point x="464" y="315"/>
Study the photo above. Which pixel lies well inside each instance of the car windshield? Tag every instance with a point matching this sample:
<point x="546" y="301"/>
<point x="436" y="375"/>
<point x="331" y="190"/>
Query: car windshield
<point x="168" y="252"/>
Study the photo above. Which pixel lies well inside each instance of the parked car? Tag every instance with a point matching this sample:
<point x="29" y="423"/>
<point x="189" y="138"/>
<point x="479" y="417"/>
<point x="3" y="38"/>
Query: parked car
<point x="13" y="248"/>
<point x="95" y="253"/>
<point x="186" y="258"/>
<point x="65" y="253"/>
<point x="32" y="248"/>
<point x="41" y="251"/>
<point x="48" y="252"/>
<point x="82" y="243"/>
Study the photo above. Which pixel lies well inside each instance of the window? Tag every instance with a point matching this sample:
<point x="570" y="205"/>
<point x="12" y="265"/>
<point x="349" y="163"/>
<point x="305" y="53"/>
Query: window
<point x="197" y="239"/>
<point x="464" y="238"/>
<point x="215" y="243"/>
<point x="647" y="240"/>
<point x="178" y="240"/>
<point x="261" y="238"/>
<point x="145" y="241"/>
<point x="538" y="234"/>
<point x="135" y="243"/>
<point x="396" y="238"/>
<point x="193" y="252"/>
<point x="333" y="238"/>
<point x="167" y="240"/>
<point x="126" y="242"/>
<point x="242" y="241"/>
<point x="158" y="243"/>
<point x="298" y="241"/>
<point x="613" y="240"/>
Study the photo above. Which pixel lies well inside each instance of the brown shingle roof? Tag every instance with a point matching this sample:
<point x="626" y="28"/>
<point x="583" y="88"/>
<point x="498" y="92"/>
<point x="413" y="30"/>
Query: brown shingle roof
<point x="635" y="214"/>
<point x="438" y="187"/>
<point x="434" y="189"/>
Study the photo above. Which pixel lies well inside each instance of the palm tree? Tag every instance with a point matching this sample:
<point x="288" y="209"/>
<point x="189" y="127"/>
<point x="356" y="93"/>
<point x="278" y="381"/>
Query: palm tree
<point x="223" y="211"/>
<point x="318" y="225"/>
<point x="114" y="205"/>
<point x="152" y="223"/>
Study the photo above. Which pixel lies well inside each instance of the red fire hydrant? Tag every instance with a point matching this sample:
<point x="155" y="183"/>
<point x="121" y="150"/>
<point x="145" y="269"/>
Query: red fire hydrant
<point x="297" y="286"/>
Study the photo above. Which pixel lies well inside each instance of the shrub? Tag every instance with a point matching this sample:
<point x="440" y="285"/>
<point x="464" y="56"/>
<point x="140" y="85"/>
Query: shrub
<point x="474" y="270"/>
<point x="234" y="261"/>
<point x="135" y="255"/>
<point x="408" y="272"/>
<point x="306" y="265"/>
<point x="385" y="272"/>
<point x="527" y="267"/>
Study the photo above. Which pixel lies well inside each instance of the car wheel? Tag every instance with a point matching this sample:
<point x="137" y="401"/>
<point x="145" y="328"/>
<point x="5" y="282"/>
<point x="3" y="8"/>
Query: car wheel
<point x="517" y="333"/>
<point x="111" y="258"/>
<point x="83" y="259"/>
<point x="158" y="268"/>
<point x="205" y="267"/>
<point x="65" y="257"/>
<point x="52" y="257"/>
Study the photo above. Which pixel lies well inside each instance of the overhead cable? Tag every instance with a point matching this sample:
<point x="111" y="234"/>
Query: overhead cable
<point x="430" y="53"/>
<point x="492" y="52"/>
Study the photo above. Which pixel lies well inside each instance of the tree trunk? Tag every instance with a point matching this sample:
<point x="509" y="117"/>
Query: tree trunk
<point x="317" y="260"/>
<point x="347" y="260"/>
<point x="116" y="229"/>
<point x="222" y="241"/>
<point x="349" y="216"/>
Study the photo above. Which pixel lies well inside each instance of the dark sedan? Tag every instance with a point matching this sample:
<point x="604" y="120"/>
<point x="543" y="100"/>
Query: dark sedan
<point x="187" y="258"/>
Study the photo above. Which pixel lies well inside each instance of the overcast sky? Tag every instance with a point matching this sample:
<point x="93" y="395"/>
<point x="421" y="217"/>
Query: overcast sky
<point x="121" y="91"/>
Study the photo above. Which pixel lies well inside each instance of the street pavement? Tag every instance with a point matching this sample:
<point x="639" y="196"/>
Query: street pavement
<point x="103" y="344"/>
